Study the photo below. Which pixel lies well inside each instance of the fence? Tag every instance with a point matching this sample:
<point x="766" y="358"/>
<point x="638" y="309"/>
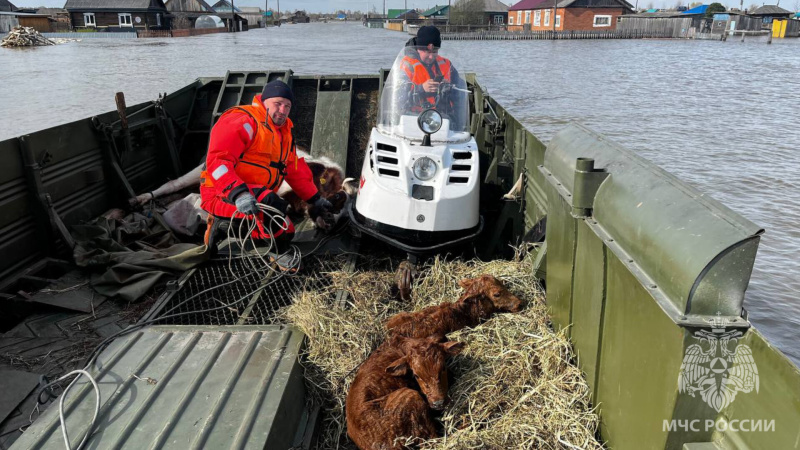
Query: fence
<point x="678" y="27"/>
<point x="197" y="31"/>
<point x="501" y="35"/>
<point x="153" y="33"/>
<point x="89" y="35"/>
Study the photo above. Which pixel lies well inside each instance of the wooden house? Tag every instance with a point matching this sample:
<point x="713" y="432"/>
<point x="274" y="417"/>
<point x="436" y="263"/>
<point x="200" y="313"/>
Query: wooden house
<point x="479" y="12"/>
<point x="253" y="15"/>
<point x="7" y="6"/>
<point x="186" y="12"/>
<point x="565" y="15"/>
<point x="39" y="22"/>
<point x="59" y="19"/>
<point x="118" y="15"/>
<point x="227" y="12"/>
<point x="402" y="14"/>
<point x="437" y="12"/>
<point x="767" y="13"/>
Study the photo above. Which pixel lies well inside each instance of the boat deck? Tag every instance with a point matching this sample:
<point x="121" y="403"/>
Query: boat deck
<point x="223" y="291"/>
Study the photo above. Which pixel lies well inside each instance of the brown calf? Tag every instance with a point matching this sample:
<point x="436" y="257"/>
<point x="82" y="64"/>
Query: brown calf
<point x="483" y="296"/>
<point x="382" y="405"/>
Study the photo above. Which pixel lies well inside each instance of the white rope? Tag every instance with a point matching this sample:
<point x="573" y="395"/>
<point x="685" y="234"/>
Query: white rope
<point x="244" y="234"/>
<point x="61" y="407"/>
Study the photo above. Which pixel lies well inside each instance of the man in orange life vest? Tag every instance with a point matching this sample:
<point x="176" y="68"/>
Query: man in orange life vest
<point x="250" y="153"/>
<point x="427" y="73"/>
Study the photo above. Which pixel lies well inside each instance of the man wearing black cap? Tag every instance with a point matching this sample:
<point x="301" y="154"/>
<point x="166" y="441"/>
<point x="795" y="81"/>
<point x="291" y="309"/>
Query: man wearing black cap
<point x="250" y="153"/>
<point x="426" y="71"/>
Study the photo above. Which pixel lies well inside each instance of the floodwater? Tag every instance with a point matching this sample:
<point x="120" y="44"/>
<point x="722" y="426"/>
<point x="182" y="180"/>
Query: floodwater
<point x="721" y="116"/>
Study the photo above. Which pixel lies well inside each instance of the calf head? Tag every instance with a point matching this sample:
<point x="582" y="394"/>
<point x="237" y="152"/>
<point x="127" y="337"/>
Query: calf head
<point x="493" y="289"/>
<point x="478" y="306"/>
<point x="425" y="359"/>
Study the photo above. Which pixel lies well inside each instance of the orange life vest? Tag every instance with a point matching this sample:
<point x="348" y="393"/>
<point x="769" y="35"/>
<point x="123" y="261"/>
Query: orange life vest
<point x="263" y="162"/>
<point x="419" y="74"/>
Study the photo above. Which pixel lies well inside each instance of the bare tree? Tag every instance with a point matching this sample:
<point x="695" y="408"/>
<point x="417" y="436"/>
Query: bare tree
<point x="467" y="12"/>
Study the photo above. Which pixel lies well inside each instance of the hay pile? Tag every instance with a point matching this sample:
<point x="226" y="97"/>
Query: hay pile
<point x="20" y="36"/>
<point x="514" y="387"/>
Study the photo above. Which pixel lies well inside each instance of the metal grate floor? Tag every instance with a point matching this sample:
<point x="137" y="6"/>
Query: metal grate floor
<point x="203" y="293"/>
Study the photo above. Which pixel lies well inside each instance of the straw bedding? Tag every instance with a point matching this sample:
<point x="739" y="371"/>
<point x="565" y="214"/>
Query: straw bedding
<point x="514" y="386"/>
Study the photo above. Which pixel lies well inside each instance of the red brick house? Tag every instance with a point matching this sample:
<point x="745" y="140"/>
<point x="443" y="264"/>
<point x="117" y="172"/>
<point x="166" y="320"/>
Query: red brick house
<point x="537" y="15"/>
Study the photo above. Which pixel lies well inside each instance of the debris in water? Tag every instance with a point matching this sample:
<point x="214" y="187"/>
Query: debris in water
<point x="20" y="36"/>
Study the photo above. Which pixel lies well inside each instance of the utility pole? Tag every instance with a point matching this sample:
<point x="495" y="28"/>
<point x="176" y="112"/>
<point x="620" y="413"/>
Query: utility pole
<point x="555" y="11"/>
<point x="233" y="17"/>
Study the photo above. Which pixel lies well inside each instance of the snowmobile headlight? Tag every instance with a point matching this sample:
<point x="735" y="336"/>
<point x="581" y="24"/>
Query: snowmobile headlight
<point x="424" y="168"/>
<point x="429" y="121"/>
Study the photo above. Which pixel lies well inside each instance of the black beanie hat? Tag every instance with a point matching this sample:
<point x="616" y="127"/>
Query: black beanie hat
<point x="277" y="88"/>
<point x="429" y="35"/>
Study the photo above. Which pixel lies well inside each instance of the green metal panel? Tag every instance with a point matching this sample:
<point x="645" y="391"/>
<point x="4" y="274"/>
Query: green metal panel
<point x="197" y="387"/>
<point x="588" y="300"/>
<point x="560" y="238"/>
<point x="693" y="252"/>
<point x="239" y="88"/>
<point x="332" y="120"/>
<point x="778" y="399"/>
<point x="641" y="353"/>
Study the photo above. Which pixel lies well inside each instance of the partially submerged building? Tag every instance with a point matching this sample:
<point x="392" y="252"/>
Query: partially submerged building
<point x="231" y="15"/>
<point x="186" y="12"/>
<point x="253" y="15"/>
<point x="479" y="12"/>
<point x="538" y="15"/>
<point x="118" y="15"/>
<point x="768" y="13"/>
<point x="7" y="6"/>
<point x="437" y="13"/>
<point x="59" y="18"/>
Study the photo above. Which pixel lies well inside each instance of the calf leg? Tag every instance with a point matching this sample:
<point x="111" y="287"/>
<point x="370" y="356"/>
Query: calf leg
<point x="406" y="414"/>
<point x="189" y="179"/>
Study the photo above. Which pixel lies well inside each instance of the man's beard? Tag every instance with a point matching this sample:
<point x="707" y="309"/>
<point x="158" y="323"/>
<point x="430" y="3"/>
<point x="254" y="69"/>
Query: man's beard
<point x="278" y="120"/>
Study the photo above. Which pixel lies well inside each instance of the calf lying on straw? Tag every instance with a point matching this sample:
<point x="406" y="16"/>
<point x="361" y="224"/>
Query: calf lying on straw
<point x="383" y="408"/>
<point x="483" y="296"/>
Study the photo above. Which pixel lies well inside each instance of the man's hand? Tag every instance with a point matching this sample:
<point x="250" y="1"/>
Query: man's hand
<point x="320" y="212"/>
<point x="246" y="204"/>
<point x="430" y="86"/>
<point x="274" y="200"/>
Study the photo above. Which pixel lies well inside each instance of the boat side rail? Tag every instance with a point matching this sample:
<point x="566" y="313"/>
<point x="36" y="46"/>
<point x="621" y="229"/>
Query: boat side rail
<point x="647" y="275"/>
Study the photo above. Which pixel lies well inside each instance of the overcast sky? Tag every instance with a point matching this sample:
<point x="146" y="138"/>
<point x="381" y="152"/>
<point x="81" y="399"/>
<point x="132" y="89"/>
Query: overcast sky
<point x="327" y="6"/>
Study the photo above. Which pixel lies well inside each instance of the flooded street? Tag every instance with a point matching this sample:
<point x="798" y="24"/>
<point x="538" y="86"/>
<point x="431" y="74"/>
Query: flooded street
<point x="722" y="116"/>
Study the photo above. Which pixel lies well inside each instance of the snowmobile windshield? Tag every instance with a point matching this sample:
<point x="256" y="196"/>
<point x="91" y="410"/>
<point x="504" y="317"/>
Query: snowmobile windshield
<point x="424" y="78"/>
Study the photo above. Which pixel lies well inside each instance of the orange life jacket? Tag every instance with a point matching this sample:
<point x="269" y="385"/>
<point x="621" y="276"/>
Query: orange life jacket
<point x="263" y="162"/>
<point x="418" y="74"/>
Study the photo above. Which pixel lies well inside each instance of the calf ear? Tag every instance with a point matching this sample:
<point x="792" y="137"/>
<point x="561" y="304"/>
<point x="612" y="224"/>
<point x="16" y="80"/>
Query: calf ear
<point x="452" y="347"/>
<point x="398" y="368"/>
<point x="466" y="283"/>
